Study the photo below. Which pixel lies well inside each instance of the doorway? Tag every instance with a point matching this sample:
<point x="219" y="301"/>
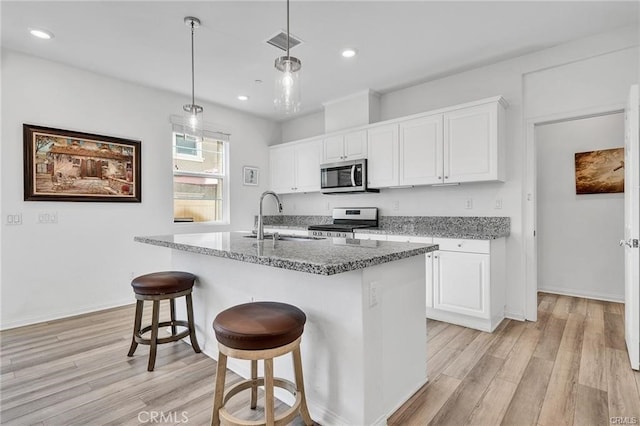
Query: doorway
<point x="577" y="234"/>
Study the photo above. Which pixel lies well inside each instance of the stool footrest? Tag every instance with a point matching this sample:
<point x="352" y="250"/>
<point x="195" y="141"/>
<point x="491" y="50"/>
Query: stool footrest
<point x="281" y="419"/>
<point x="173" y="338"/>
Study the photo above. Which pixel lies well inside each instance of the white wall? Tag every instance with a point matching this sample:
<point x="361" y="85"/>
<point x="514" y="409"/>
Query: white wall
<point x="506" y="79"/>
<point x="85" y="262"/>
<point x="578" y="235"/>
<point x="303" y="127"/>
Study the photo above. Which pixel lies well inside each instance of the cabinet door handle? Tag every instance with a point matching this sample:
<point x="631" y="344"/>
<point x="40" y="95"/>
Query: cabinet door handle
<point x="446" y="177"/>
<point x="435" y="257"/>
<point x="459" y="244"/>
<point x="440" y="177"/>
<point x="428" y="256"/>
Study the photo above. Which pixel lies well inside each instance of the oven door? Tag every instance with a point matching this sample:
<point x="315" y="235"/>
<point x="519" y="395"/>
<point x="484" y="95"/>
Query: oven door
<point x="349" y="176"/>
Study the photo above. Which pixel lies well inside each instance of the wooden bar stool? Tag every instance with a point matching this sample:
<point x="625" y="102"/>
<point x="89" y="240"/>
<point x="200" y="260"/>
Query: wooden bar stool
<point x="159" y="286"/>
<point x="260" y="331"/>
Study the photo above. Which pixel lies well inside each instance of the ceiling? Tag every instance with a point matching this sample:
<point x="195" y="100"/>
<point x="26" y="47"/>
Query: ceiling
<point x="399" y="43"/>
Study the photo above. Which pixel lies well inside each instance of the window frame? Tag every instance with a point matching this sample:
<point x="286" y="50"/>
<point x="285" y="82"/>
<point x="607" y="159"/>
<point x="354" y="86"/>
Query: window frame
<point x="224" y="177"/>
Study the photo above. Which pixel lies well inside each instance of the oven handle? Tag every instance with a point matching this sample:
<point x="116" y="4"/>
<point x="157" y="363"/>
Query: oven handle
<point x="353" y="175"/>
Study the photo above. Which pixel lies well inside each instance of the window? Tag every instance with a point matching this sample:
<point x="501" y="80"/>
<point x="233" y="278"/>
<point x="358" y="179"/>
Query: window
<point x="187" y="148"/>
<point x="199" y="179"/>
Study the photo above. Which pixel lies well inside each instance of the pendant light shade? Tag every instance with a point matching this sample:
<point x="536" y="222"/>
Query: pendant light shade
<point x="193" y="124"/>
<point x="287" y="83"/>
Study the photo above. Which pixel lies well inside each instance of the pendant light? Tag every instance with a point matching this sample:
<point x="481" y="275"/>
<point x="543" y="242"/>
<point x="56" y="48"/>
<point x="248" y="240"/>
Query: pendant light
<point x="287" y="84"/>
<point x="193" y="125"/>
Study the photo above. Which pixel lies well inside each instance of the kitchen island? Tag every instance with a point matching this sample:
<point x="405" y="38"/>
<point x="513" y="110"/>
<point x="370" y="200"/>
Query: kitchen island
<point x="364" y="344"/>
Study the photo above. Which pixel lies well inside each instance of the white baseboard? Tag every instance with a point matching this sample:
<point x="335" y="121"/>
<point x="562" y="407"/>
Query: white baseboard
<point x="582" y="293"/>
<point x="518" y="316"/>
<point x="66" y="314"/>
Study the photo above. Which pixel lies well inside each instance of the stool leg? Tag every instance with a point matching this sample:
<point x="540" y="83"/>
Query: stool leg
<point x="254" y="386"/>
<point x="172" y="308"/>
<point x="136" y="327"/>
<point x="154" y="334"/>
<point x="297" y="367"/>
<point x="268" y="387"/>
<point x="219" y="392"/>
<point x="192" y="327"/>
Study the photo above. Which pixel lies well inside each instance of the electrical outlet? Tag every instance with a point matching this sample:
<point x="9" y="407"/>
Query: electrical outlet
<point x="14" y="219"/>
<point x="498" y="203"/>
<point x="328" y="206"/>
<point x="48" y="217"/>
<point x="373" y="294"/>
<point x="396" y="205"/>
<point x="468" y="203"/>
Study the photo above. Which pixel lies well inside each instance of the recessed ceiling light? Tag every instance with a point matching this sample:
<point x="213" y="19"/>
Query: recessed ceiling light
<point x="243" y="97"/>
<point x="40" y="33"/>
<point x="349" y="52"/>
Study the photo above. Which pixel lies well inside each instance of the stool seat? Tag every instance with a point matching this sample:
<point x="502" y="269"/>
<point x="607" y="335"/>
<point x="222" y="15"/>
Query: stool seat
<point x="166" y="282"/>
<point x="259" y="325"/>
<point x="156" y="287"/>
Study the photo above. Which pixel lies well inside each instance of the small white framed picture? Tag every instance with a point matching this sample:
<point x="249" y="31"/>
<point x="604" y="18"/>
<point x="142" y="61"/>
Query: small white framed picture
<point x="250" y="175"/>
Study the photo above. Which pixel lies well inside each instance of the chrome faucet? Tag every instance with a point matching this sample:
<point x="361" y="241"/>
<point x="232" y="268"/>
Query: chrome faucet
<point x="260" y="236"/>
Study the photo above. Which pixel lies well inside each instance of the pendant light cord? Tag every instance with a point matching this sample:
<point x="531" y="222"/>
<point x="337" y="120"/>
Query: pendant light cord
<point x="288" y="56"/>
<point x="193" y="100"/>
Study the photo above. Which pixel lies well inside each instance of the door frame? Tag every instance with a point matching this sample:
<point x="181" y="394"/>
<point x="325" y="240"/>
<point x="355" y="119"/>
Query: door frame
<point x="529" y="196"/>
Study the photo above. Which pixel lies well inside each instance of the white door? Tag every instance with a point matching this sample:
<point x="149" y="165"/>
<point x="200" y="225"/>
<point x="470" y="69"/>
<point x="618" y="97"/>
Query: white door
<point x="355" y="145"/>
<point x="471" y="144"/>
<point x="282" y="169"/>
<point x="421" y="151"/>
<point x="333" y="149"/>
<point x="382" y="156"/>
<point x="307" y="162"/>
<point x="632" y="228"/>
<point x="461" y="283"/>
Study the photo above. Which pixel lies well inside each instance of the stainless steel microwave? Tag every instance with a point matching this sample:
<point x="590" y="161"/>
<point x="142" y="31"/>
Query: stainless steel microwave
<point x="344" y="177"/>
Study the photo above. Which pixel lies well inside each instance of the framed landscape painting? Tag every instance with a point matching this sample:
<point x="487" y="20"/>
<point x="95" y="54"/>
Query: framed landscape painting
<point x="63" y="165"/>
<point x="599" y="172"/>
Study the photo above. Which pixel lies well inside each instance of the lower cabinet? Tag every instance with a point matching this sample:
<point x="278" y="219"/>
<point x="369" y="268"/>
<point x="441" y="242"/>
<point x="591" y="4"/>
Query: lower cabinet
<point x="466" y="282"/>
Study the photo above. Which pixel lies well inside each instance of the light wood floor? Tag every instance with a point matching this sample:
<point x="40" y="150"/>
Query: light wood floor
<point x="570" y="367"/>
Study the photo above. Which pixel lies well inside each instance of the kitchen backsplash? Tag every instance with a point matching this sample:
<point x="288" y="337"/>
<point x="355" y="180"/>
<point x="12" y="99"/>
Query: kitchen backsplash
<point x="410" y="225"/>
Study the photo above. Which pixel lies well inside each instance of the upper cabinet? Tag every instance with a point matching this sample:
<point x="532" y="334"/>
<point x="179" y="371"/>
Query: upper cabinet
<point x="461" y="145"/>
<point x="348" y="146"/>
<point x="464" y="143"/>
<point x="382" y="156"/>
<point x="295" y="167"/>
<point x="474" y="144"/>
<point x="421" y="151"/>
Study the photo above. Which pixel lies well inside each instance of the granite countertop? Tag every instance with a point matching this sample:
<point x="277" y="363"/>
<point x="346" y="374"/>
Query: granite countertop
<point x="327" y="256"/>
<point x="472" y="227"/>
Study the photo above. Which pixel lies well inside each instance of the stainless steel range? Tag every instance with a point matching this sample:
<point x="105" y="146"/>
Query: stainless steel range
<point x="346" y="220"/>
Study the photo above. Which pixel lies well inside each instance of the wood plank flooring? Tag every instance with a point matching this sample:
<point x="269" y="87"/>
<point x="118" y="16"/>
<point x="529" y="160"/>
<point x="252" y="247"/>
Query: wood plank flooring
<point x="570" y="367"/>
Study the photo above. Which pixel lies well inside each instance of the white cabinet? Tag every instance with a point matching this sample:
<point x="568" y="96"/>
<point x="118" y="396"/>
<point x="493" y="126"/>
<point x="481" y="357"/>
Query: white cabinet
<point x="466" y="282"/>
<point x="295" y="167"/>
<point x="461" y="283"/>
<point x="461" y="145"/>
<point x="474" y="144"/>
<point x="347" y="146"/>
<point x="382" y="156"/>
<point x="421" y="151"/>
<point x="365" y="236"/>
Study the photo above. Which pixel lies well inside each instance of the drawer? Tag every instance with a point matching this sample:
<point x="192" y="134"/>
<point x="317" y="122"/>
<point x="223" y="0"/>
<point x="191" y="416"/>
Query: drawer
<point x="409" y="239"/>
<point x="367" y="236"/>
<point x="462" y="245"/>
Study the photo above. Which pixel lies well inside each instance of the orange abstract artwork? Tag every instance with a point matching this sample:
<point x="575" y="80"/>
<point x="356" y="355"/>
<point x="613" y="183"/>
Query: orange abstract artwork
<point x="600" y="172"/>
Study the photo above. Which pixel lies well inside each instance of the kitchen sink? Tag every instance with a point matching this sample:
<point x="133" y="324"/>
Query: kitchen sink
<point x="287" y="237"/>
